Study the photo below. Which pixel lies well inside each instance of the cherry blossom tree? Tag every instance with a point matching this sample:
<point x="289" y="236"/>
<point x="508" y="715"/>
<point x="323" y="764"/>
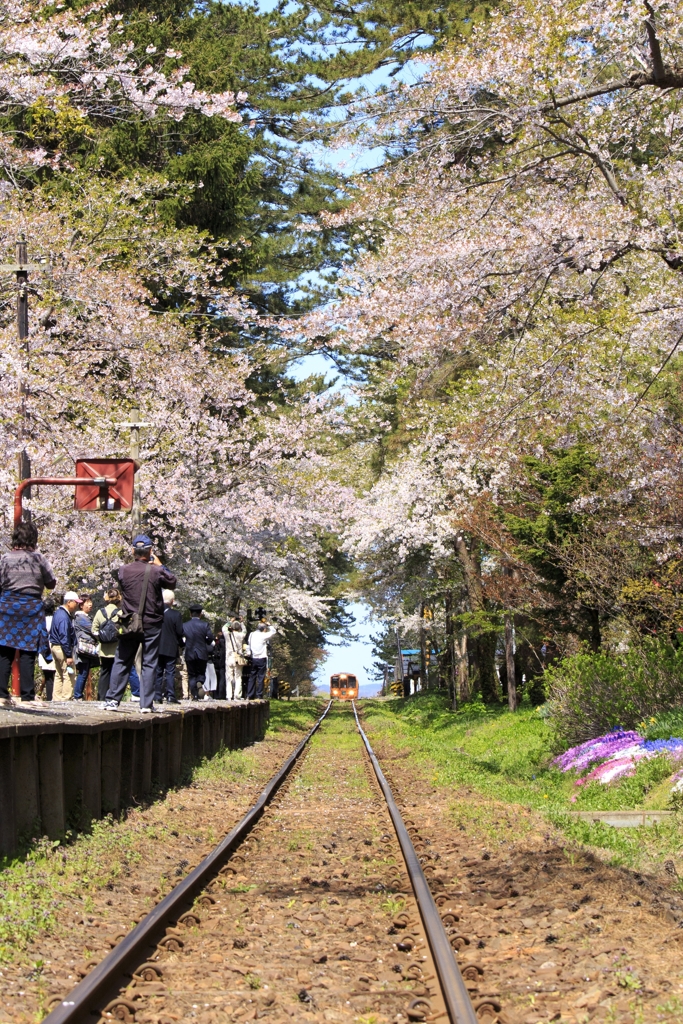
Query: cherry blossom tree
<point x="526" y="291"/>
<point x="234" y="492"/>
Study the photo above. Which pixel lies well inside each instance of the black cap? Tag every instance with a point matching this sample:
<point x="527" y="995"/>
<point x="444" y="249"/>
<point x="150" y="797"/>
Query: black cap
<point x="194" y="607"/>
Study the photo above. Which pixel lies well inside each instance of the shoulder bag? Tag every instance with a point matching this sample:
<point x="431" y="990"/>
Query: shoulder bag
<point x="237" y="651"/>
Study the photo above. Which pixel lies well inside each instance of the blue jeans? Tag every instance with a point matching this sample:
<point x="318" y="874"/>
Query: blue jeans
<point x="165" y="685"/>
<point x="134" y="681"/>
<point x="124" y="663"/>
<point x="84" y="666"/>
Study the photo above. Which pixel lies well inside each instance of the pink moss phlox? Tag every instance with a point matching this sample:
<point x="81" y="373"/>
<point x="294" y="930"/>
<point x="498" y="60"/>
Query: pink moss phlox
<point x="579" y="757"/>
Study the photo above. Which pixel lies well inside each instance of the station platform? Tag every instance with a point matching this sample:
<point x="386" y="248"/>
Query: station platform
<point x="64" y="764"/>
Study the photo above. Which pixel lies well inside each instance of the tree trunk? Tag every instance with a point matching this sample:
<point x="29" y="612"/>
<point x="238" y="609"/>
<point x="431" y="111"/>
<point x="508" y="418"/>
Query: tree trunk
<point x="450" y="649"/>
<point x="485" y="645"/>
<point x="424" y="674"/>
<point x="472" y="572"/>
<point x="463" y="674"/>
<point x="596" y="637"/>
<point x="510" y="661"/>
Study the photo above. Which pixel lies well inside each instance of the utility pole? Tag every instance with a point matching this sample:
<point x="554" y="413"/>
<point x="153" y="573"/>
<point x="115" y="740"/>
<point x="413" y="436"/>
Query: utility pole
<point x="21" y="268"/>
<point x="135" y="425"/>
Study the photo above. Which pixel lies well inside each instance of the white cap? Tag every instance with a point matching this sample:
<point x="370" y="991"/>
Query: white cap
<point x="71" y="595"/>
<point x="168" y="596"/>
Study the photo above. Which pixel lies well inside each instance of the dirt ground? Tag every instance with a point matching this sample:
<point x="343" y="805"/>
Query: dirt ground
<point x="311" y="919"/>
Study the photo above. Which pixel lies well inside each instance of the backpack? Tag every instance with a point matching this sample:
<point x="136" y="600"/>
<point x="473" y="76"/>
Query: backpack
<point x="109" y="630"/>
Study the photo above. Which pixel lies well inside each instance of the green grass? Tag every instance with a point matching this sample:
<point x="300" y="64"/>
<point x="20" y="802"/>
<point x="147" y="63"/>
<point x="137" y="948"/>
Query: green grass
<point x="294" y="715"/>
<point x="503" y="757"/>
<point x="338" y="732"/>
<point x="507" y="756"/>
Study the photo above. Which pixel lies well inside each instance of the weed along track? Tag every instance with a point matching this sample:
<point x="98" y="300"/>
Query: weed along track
<point x="305" y="911"/>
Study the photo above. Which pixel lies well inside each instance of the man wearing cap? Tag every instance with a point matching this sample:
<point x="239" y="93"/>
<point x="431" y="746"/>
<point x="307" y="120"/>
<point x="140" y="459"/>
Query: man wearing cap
<point x="132" y="579"/>
<point x="62" y="641"/>
<point x="198" y="643"/>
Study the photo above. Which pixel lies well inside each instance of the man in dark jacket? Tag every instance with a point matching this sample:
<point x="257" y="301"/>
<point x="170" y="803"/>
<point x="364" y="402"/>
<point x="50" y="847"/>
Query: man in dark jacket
<point x="172" y="639"/>
<point x="62" y="639"/>
<point x="132" y="579"/>
<point x="198" y="646"/>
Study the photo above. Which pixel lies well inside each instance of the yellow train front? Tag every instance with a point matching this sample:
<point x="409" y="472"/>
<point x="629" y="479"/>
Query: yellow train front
<point x="343" y="686"/>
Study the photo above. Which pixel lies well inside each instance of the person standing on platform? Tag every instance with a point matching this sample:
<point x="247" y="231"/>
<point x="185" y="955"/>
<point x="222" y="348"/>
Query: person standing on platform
<point x="86" y="646"/>
<point x="24" y="574"/>
<point x="46" y="662"/>
<point x="235" y="660"/>
<point x="172" y="640"/>
<point x="105" y="629"/>
<point x="258" y="647"/>
<point x="142" y="582"/>
<point x="62" y="644"/>
<point x="198" y="647"/>
<point x="218" y="658"/>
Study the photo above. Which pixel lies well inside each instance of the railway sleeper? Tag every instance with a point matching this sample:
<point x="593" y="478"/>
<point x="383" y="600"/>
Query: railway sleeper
<point x="179" y="949"/>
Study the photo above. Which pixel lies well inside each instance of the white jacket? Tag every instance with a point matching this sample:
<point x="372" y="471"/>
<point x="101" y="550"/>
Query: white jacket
<point x="258" y="642"/>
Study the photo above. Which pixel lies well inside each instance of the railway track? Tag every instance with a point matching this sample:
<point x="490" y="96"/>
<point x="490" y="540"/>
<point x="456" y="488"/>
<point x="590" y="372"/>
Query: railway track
<point x="316" y="906"/>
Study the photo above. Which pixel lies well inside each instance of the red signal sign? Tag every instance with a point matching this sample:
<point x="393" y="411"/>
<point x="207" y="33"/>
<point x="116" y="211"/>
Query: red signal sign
<point x="111" y="497"/>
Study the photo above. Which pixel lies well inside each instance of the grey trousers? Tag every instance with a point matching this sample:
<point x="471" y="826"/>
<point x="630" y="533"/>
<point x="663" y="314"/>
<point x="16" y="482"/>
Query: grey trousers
<point x="124" y="660"/>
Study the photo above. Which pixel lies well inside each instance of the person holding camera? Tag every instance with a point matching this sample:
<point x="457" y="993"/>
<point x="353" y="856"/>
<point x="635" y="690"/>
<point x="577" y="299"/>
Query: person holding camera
<point x="142" y="614"/>
<point x="258" y="648"/>
<point x="235" y="658"/>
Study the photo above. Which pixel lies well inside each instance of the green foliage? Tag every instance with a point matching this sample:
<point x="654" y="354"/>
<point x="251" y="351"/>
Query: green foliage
<point x="591" y="693"/>
<point x="663" y="726"/>
<point x="544" y="519"/>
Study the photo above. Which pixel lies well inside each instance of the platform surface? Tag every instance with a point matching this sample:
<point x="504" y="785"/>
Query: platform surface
<point x="31" y="717"/>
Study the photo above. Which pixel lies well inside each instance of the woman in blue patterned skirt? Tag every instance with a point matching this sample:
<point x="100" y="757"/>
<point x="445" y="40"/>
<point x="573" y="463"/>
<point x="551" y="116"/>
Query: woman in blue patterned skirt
<point x="24" y="574"/>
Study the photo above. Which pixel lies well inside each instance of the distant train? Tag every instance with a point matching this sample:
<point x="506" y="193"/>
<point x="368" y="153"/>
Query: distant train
<point x="344" y="686"/>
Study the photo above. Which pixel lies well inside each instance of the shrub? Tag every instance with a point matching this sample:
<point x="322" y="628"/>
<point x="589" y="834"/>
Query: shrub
<point x="589" y="694"/>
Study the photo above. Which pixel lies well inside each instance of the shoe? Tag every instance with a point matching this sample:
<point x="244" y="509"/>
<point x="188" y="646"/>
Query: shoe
<point x="6" y="702"/>
<point x="172" y="700"/>
<point x="135" y="700"/>
<point x="111" y="705"/>
<point x="147" y="711"/>
<point x="206" y="697"/>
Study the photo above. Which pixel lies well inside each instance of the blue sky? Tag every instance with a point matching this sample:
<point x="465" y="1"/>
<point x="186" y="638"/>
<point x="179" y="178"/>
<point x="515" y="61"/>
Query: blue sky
<point x="356" y="657"/>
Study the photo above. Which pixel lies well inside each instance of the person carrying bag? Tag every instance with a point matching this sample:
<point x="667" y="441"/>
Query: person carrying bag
<point x="141" y="619"/>
<point x="105" y="629"/>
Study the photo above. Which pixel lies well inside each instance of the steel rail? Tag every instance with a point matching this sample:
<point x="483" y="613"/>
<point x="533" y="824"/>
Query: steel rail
<point x="90" y="993"/>
<point x="458" y="1003"/>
